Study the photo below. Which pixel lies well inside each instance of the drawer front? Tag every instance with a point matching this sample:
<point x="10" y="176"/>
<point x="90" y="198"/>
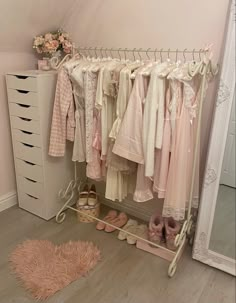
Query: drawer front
<point x="30" y="186"/>
<point x="31" y="203"/>
<point x="23" y="110"/>
<point x="27" y="137"/>
<point x="22" y="82"/>
<point x="25" y="124"/>
<point x="28" y="152"/>
<point x="29" y="170"/>
<point x="22" y="97"/>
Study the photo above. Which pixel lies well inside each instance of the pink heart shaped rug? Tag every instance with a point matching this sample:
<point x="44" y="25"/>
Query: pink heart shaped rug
<point x="44" y="268"/>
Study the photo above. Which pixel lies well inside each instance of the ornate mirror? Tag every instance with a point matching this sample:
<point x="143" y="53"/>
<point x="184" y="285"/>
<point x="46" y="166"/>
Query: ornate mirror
<point x="215" y="236"/>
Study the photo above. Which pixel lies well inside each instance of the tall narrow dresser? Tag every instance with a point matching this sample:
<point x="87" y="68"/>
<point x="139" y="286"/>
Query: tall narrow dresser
<point x="39" y="177"/>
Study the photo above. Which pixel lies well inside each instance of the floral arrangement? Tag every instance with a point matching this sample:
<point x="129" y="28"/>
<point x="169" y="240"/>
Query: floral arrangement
<point x="52" y="42"/>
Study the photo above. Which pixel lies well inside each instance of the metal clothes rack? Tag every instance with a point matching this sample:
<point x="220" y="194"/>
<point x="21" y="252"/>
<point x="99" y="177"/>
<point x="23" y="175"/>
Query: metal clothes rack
<point x="70" y="193"/>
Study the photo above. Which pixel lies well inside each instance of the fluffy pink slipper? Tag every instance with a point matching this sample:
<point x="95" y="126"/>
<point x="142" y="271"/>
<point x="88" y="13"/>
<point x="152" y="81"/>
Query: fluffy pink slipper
<point x="156" y="226"/>
<point x="120" y="221"/>
<point x="112" y="214"/>
<point x="172" y="228"/>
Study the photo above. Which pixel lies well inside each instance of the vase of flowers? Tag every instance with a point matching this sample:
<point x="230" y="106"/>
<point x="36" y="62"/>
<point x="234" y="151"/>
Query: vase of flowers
<point x="51" y="45"/>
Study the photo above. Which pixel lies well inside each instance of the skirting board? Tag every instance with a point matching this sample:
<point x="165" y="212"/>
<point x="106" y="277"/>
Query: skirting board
<point x="8" y="200"/>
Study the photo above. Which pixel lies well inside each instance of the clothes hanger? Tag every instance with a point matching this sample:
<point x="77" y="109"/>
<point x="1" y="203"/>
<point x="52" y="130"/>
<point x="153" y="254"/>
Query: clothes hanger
<point x="161" y="50"/>
<point x="155" y="54"/>
<point x="140" y="57"/>
<point x="176" y="55"/>
<point x="111" y="50"/>
<point x="184" y="54"/>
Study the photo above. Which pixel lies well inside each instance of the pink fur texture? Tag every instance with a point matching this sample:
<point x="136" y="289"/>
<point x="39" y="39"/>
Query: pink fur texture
<point x="45" y="268"/>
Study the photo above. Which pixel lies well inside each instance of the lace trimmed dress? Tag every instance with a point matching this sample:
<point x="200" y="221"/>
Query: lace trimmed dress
<point x="182" y="149"/>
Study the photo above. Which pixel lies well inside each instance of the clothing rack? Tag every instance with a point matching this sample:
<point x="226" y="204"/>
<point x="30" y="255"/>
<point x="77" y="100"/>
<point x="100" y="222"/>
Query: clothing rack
<point x="70" y="193"/>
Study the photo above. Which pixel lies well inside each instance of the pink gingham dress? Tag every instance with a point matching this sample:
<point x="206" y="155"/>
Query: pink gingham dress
<point x="63" y="118"/>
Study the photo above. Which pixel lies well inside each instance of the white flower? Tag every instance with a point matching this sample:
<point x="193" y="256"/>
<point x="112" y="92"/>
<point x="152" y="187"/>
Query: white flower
<point x="38" y="41"/>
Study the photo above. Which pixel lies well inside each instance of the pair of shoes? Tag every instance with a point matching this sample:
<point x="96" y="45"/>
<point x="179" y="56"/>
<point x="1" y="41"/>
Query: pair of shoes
<point x="133" y="227"/>
<point x="113" y="218"/>
<point x="88" y="196"/>
<point x="163" y="230"/>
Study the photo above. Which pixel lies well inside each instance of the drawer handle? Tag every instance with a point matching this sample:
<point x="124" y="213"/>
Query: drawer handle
<point x="30" y="180"/>
<point x="32" y="196"/>
<point x="25" y="119"/>
<point x="28" y="145"/>
<point x="21" y="77"/>
<point x="21" y="91"/>
<point x="23" y="105"/>
<point x="30" y="163"/>
<point x="25" y="132"/>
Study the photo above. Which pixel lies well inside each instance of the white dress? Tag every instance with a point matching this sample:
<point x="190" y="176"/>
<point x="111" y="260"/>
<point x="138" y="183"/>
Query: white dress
<point x="120" y="177"/>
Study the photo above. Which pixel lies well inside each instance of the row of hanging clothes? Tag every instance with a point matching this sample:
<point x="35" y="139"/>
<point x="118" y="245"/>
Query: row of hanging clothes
<point x="133" y="123"/>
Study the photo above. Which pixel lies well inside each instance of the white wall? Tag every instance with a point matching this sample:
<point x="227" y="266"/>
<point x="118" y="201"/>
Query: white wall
<point x="20" y="21"/>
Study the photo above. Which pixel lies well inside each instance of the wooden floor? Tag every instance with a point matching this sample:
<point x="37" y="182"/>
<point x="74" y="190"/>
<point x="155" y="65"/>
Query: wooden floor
<point x="125" y="274"/>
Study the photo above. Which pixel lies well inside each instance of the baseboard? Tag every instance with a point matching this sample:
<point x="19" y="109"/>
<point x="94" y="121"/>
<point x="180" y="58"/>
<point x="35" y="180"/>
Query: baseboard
<point x="8" y="200"/>
<point x="142" y="210"/>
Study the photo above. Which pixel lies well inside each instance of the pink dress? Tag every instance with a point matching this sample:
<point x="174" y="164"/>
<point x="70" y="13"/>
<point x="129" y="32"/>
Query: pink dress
<point x="178" y="184"/>
<point x="93" y="169"/>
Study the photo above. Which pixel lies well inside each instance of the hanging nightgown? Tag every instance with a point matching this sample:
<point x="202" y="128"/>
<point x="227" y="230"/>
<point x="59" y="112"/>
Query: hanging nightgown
<point x="180" y="171"/>
<point x="120" y="183"/>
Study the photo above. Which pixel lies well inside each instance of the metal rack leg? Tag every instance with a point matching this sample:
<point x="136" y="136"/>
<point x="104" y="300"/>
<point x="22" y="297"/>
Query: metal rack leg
<point x="173" y="265"/>
<point x="69" y="194"/>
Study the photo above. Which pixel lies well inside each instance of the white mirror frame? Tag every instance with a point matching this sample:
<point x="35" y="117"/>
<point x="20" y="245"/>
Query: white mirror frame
<point x="201" y="251"/>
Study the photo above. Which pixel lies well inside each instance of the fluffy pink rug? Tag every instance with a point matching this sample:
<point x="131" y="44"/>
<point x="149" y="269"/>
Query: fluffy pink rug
<point x="45" y="268"/>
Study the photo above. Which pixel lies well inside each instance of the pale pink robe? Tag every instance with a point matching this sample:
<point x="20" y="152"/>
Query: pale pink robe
<point x="63" y="117"/>
<point x="129" y="143"/>
<point x="93" y="169"/>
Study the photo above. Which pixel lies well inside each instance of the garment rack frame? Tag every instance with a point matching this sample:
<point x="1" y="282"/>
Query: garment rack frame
<point x="70" y="194"/>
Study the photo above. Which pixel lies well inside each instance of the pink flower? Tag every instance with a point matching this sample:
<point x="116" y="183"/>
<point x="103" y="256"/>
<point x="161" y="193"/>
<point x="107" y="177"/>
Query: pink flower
<point x="67" y="46"/>
<point x="55" y="44"/>
<point x="51" y="46"/>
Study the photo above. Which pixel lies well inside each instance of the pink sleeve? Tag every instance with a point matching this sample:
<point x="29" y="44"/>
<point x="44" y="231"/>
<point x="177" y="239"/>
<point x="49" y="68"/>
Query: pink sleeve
<point x="63" y="116"/>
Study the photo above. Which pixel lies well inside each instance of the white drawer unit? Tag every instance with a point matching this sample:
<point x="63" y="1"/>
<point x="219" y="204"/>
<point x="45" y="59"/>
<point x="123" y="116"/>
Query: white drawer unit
<point x="24" y="111"/>
<point x="26" y="137"/>
<point x="39" y="177"/>
<point x="22" y="97"/>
